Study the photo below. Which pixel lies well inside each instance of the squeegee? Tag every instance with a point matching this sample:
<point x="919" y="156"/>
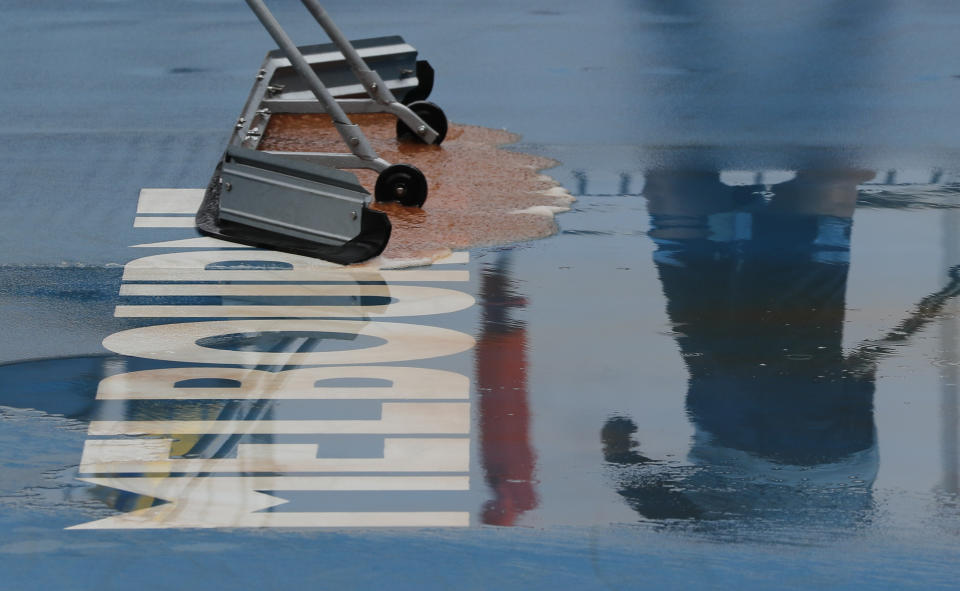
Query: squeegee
<point x="301" y="202"/>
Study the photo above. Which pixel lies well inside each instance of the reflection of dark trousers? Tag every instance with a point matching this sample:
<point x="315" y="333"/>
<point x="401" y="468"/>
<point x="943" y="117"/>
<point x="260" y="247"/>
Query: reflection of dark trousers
<point x="759" y="318"/>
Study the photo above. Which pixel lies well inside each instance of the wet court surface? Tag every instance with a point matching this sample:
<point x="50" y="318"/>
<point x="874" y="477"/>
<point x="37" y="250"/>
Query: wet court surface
<point x="736" y="362"/>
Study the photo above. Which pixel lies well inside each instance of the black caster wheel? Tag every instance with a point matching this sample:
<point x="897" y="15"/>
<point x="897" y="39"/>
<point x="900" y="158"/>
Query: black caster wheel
<point x="431" y="114"/>
<point x="403" y="183"/>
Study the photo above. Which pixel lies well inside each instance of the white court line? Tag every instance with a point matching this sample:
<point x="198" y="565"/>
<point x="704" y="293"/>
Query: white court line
<point x="308" y="383"/>
<point x="169" y="200"/>
<point x="404" y="300"/>
<point x="202" y="242"/>
<point x="164" y="222"/>
<point x="398" y="418"/>
<point x="116" y="456"/>
<point x="343" y="274"/>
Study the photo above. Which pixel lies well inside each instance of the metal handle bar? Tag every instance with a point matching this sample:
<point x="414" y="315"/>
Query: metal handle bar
<point x="370" y="80"/>
<point x="351" y="134"/>
<point x="339" y="39"/>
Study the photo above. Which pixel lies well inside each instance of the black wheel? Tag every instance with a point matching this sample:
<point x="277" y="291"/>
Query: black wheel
<point x="431" y="114"/>
<point x="403" y="183"/>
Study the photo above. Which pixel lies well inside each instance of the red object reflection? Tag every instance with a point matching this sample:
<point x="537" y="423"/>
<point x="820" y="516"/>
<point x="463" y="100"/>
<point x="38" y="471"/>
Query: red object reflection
<point x="501" y="366"/>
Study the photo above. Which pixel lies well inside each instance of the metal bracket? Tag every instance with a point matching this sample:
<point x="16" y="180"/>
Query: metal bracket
<point x="319" y="204"/>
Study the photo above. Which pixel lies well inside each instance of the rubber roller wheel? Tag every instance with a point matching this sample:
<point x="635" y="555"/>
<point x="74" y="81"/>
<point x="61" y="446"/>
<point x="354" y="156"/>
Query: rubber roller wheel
<point x="432" y="115"/>
<point x="403" y="183"/>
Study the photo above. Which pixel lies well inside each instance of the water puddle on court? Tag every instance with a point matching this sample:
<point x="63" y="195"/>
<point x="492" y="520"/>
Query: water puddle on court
<point x="735" y="354"/>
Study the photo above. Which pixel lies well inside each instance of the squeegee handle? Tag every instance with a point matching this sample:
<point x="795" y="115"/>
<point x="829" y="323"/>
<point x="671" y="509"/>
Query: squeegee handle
<point x="297" y="60"/>
<point x="351" y="134"/>
<point x="370" y="79"/>
<point x="339" y="39"/>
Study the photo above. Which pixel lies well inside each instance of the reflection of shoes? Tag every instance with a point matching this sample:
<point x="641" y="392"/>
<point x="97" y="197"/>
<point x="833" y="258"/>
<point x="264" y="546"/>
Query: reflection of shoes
<point x="617" y="443"/>
<point x="513" y="500"/>
<point x="618" y="426"/>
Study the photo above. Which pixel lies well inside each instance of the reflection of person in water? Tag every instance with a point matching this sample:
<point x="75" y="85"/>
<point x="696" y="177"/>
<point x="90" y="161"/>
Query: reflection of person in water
<point x="755" y="286"/>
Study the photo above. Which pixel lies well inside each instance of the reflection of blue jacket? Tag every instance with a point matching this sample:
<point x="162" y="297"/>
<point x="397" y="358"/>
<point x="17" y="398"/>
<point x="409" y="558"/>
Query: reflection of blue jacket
<point x="783" y="429"/>
<point x="758" y="305"/>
